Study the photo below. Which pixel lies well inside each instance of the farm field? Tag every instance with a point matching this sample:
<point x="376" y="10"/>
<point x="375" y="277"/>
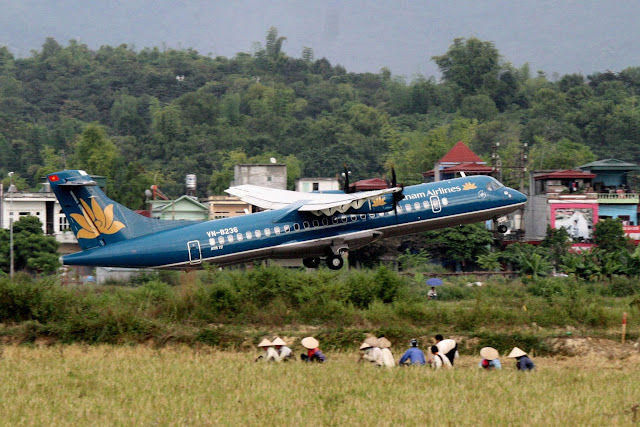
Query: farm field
<point x="179" y="385"/>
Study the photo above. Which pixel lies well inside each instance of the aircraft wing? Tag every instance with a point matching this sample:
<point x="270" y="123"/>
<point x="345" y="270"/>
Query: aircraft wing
<point x="317" y="203"/>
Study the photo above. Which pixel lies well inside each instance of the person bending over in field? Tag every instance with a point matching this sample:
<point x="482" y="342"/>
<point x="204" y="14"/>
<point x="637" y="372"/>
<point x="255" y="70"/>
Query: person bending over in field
<point x="448" y="348"/>
<point x="385" y="349"/>
<point x="284" y="353"/>
<point x="413" y="356"/>
<point x="439" y="361"/>
<point x="523" y="363"/>
<point x="371" y="352"/>
<point x="490" y="359"/>
<point x="268" y="353"/>
<point x="313" y="352"/>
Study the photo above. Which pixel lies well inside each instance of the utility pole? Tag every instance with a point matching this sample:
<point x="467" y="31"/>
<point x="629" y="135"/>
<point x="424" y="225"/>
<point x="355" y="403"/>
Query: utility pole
<point x="11" y="190"/>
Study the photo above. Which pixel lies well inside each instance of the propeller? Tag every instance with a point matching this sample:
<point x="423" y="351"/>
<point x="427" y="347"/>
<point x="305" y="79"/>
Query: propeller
<point x="398" y="195"/>
<point x="346" y="188"/>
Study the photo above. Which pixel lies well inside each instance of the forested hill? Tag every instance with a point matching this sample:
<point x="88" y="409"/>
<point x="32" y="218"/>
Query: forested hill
<point x="152" y="116"/>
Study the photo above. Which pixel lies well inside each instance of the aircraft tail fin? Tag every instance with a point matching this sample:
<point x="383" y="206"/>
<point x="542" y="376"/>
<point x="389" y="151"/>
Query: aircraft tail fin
<point x="95" y="219"/>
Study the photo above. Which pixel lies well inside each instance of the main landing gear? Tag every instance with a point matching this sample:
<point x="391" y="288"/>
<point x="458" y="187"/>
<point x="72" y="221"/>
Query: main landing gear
<point x="334" y="262"/>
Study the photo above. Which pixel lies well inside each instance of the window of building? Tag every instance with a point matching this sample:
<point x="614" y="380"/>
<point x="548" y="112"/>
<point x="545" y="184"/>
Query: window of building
<point x="316" y="186"/>
<point x="62" y="219"/>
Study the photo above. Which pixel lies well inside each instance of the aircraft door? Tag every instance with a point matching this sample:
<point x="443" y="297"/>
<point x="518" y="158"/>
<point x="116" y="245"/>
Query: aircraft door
<point x="436" y="206"/>
<point x="195" y="255"/>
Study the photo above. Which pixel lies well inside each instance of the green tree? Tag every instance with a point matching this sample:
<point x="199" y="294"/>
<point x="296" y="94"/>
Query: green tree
<point x="471" y="64"/>
<point x="33" y="251"/>
<point x="94" y="152"/>
<point x="608" y="235"/>
<point x="462" y="244"/>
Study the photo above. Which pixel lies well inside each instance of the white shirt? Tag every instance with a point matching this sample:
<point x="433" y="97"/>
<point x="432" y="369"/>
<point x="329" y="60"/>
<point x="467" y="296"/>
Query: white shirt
<point x="373" y="355"/>
<point x="270" y="354"/>
<point x="387" y="358"/>
<point x="440" y="360"/>
<point x="284" y="352"/>
<point x="445" y="346"/>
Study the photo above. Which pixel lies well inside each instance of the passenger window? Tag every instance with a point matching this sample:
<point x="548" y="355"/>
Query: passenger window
<point x="239" y="237"/>
<point x="221" y="240"/>
<point x="287" y="228"/>
<point x="230" y="238"/>
<point x="296" y="226"/>
<point x="425" y="204"/>
<point x="249" y="236"/>
<point x="316" y="223"/>
<point x="276" y="230"/>
<point x="267" y="232"/>
<point x="372" y="216"/>
<point x="363" y="216"/>
<point x="344" y="218"/>
<point x="258" y="234"/>
<point x="416" y="205"/>
<point x="354" y="217"/>
<point x="408" y="208"/>
<point x="325" y="221"/>
<point x="335" y="219"/>
<point x="305" y="224"/>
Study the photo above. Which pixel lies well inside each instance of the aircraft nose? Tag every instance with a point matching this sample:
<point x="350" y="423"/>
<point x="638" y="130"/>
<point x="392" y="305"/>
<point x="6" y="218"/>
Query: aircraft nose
<point x="517" y="196"/>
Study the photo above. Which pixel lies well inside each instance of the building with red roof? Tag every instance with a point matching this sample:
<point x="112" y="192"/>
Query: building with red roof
<point x="459" y="160"/>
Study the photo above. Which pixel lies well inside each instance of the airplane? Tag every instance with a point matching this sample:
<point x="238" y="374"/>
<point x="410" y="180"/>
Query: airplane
<point x="311" y="226"/>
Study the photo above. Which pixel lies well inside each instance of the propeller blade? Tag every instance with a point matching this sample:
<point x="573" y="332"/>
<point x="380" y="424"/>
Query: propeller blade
<point x="346" y="188"/>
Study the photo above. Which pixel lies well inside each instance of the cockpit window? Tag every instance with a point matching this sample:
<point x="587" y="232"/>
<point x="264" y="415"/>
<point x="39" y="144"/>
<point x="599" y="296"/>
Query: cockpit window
<point x="493" y="185"/>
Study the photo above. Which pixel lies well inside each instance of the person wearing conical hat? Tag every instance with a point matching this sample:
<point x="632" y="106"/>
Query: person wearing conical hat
<point x="313" y="352"/>
<point x="523" y="363"/>
<point x="284" y="352"/>
<point x="387" y="356"/>
<point x="490" y="359"/>
<point x="268" y="353"/>
<point x="371" y="351"/>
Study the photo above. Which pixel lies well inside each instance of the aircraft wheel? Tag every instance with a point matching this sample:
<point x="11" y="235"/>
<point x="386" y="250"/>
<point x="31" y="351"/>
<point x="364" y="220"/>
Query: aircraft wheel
<point x="311" y="262"/>
<point x="502" y="228"/>
<point x="335" y="262"/>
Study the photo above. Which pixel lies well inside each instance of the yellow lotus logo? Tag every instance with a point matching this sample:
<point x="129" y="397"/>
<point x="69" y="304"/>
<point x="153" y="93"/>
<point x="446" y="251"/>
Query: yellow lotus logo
<point x="378" y="202"/>
<point x="95" y="221"/>
<point x="469" y="186"/>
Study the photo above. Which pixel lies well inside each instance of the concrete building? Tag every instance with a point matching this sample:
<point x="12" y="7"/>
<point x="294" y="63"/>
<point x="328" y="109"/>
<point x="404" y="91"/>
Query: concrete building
<point x="307" y="185"/>
<point x="264" y="175"/>
<point x="227" y="207"/>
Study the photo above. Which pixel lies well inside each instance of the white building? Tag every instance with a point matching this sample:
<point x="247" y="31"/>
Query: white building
<point x="307" y="185"/>
<point x="264" y="175"/>
<point x="44" y="206"/>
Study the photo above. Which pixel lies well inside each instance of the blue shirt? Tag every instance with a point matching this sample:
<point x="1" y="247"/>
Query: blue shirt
<point x="524" y="363"/>
<point x="495" y="364"/>
<point x="415" y="355"/>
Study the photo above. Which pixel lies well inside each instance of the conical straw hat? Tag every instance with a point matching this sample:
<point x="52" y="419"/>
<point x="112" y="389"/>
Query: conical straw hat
<point x="278" y="341"/>
<point x="310" y="343"/>
<point x="516" y="352"/>
<point x="372" y="341"/>
<point x="365" y="345"/>
<point x="384" y="343"/>
<point x="265" y="343"/>
<point x="489" y="353"/>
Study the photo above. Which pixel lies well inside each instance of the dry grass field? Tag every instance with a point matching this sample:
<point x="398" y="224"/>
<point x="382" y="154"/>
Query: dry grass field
<point x="104" y="385"/>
